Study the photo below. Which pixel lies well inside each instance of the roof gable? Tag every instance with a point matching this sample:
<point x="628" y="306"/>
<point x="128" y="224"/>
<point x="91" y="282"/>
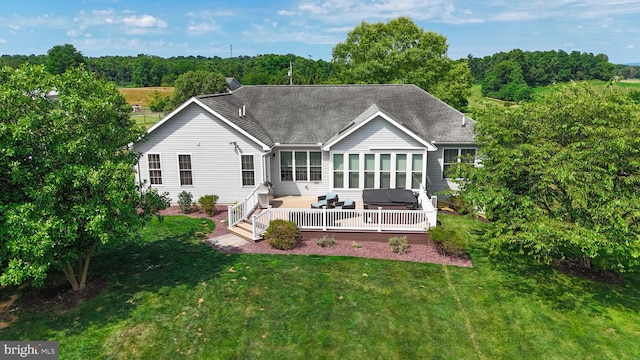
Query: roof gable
<point x="266" y="146"/>
<point x="368" y="115"/>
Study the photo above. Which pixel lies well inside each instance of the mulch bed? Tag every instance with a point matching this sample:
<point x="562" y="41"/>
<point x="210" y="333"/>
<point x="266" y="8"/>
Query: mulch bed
<point x="424" y="253"/>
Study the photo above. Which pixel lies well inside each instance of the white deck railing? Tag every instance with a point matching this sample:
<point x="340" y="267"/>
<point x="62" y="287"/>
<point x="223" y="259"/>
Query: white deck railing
<point x="346" y="219"/>
<point x="429" y="205"/>
<point x="340" y="219"/>
<point x="240" y="211"/>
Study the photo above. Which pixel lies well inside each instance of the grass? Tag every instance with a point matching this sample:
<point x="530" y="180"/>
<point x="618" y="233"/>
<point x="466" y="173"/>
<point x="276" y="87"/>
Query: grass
<point x="147" y="118"/>
<point x="477" y="101"/>
<point x="170" y="296"/>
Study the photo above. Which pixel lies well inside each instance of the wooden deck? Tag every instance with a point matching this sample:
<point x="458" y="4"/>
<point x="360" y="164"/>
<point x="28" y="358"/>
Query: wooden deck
<point x="300" y="202"/>
<point x="351" y="222"/>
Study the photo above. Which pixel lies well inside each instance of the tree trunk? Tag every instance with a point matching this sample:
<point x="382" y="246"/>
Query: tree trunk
<point x="71" y="277"/>
<point x="78" y="279"/>
<point x="585" y="262"/>
<point x="83" y="272"/>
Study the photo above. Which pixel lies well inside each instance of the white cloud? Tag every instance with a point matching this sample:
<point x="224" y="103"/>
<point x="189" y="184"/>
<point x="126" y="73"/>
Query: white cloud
<point x="630" y="46"/>
<point x="74" y="33"/>
<point x="144" y="21"/>
<point x="211" y="13"/>
<point x="354" y="11"/>
<point x="286" y="13"/>
<point x="3" y="41"/>
<point x="203" y="28"/>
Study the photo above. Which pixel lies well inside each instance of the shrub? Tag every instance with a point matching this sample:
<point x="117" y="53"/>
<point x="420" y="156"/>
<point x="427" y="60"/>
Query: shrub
<point x="208" y="203"/>
<point x="185" y="200"/>
<point x="282" y="234"/>
<point x="356" y="245"/>
<point x="449" y="242"/>
<point x="152" y="202"/>
<point x="399" y="244"/>
<point x="326" y="240"/>
<point x="157" y="102"/>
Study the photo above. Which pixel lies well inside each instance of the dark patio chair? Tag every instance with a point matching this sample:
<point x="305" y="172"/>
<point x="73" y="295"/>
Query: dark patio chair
<point x="347" y="204"/>
<point x="325" y="201"/>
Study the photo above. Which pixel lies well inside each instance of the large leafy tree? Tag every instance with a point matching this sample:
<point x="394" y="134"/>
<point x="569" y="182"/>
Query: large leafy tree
<point x="66" y="173"/>
<point x="401" y="52"/>
<point x="561" y="177"/>
<point x="62" y="57"/>
<point x="194" y="83"/>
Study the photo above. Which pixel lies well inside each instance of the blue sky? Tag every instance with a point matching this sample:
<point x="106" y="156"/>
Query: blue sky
<point x="311" y="28"/>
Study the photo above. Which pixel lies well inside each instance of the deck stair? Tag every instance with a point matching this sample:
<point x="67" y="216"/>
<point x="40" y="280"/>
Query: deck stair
<point x="244" y="230"/>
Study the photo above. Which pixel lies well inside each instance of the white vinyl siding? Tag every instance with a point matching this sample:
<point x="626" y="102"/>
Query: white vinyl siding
<point x="215" y="149"/>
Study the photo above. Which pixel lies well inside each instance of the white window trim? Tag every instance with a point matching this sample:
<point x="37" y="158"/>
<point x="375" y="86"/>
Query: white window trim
<point x="392" y="171"/>
<point x="293" y="166"/>
<point x="178" y="166"/>
<point x="458" y="160"/>
<point x="253" y="158"/>
<point x="149" y="169"/>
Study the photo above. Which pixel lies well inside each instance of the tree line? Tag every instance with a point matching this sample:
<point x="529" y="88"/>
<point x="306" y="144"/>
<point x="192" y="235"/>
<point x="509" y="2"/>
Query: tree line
<point x="149" y="70"/>
<point x="505" y="75"/>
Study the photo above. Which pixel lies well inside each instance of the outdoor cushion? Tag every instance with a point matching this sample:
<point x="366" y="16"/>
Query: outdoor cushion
<point x="347" y="204"/>
<point x="319" y="204"/>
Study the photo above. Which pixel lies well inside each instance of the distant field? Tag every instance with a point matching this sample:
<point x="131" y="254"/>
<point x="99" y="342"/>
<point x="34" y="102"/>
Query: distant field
<point x="142" y="95"/>
<point x="477" y="101"/>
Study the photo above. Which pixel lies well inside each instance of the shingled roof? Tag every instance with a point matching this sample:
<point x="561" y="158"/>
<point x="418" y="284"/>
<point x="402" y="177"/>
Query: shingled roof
<point x="312" y="114"/>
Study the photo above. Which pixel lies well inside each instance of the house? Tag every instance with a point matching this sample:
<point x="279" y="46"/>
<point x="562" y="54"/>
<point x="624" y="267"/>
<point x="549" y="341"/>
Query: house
<point x="306" y="140"/>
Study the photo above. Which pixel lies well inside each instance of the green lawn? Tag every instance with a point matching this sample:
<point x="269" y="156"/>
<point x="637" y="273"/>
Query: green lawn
<point x="170" y="296"/>
<point x="147" y="118"/>
<point x="477" y="101"/>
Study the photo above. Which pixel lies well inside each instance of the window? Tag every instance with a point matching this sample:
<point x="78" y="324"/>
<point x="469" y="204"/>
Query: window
<point x="453" y="156"/>
<point x="369" y="171"/>
<point x="338" y="171"/>
<point x="385" y="171"/>
<point x="184" y="165"/>
<point x="376" y="170"/>
<point x="354" y="171"/>
<point x="315" y="165"/>
<point x="155" y="169"/>
<point x="401" y="171"/>
<point x="301" y="166"/>
<point x="286" y="166"/>
<point x="468" y="155"/>
<point x="416" y="171"/>
<point x="248" y="170"/>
